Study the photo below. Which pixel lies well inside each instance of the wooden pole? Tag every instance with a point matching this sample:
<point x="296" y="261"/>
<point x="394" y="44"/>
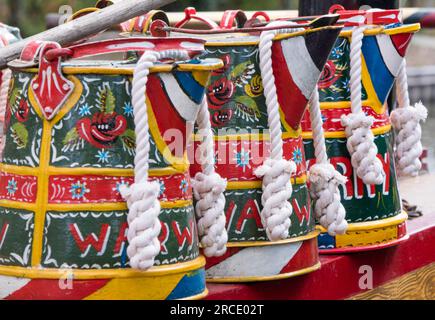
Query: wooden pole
<point x="85" y="26"/>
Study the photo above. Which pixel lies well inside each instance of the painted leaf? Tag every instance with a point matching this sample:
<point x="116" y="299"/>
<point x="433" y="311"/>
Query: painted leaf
<point x="242" y="73"/>
<point x="248" y="105"/>
<point x="13" y="98"/>
<point x="20" y="135"/>
<point x="240" y="69"/>
<point x="128" y="139"/>
<point x="71" y="136"/>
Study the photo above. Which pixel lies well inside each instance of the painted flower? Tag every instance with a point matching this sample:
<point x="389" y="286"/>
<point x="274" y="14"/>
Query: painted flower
<point x="22" y="113"/>
<point x="103" y="129"/>
<point x="255" y="87"/>
<point x="184" y="185"/>
<point x="85" y="110"/>
<point x="220" y="92"/>
<point x="78" y="190"/>
<point x="128" y="109"/>
<point x="103" y="156"/>
<point x="328" y="76"/>
<point x="226" y="59"/>
<point x="242" y="159"/>
<point x="221" y="117"/>
<point x="297" y="156"/>
<point x="12" y="187"/>
<point x="337" y="52"/>
<point x="119" y="184"/>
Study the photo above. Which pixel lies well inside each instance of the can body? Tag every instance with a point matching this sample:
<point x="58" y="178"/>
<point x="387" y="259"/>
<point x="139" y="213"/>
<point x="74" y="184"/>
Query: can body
<point x="62" y="214"/>
<point x="374" y="212"/>
<point x="239" y="119"/>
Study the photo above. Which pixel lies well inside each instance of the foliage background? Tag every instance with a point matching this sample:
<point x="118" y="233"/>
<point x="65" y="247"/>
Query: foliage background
<point x="29" y="15"/>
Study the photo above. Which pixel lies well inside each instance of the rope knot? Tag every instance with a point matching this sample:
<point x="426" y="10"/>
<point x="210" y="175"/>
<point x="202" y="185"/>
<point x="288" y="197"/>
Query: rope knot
<point x="362" y="148"/>
<point x="208" y="190"/>
<point x="144" y="225"/>
<point x="277" y="190"/>
<point x="406" y="120"/>
<point x="324" y="182"/>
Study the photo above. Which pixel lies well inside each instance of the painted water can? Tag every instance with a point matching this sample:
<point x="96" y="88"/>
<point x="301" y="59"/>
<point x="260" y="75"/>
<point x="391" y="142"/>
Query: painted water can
<point x="8" y="35"/>
<point x="70" y="145"/>
<point x="240" y="122"/>
<point x="373" y="210"/>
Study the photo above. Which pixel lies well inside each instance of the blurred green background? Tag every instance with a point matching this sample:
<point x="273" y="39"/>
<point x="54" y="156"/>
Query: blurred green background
<point x="29" y="15"/>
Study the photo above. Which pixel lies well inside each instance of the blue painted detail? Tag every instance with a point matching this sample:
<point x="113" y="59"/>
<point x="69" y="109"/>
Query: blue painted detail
<point x="190" y="285"/>
<point x="393" y="25"/>
<point x="190" y="86"/>
<point x="381" y="77"/>
<point x="325" y="241"/>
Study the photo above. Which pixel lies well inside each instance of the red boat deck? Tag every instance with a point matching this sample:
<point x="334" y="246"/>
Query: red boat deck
<point x="340" y="275"/>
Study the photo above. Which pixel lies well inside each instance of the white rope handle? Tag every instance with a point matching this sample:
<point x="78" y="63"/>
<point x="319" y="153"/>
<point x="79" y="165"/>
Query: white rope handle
<point x="360" y="139"/>
<point x="4" y="90"/>
<point x="275" y="171"/>
<point x="324" y="178"/>
<point x="208" y="189"/>
<point x="406" y="120"/>
<point x="142" y="195"/>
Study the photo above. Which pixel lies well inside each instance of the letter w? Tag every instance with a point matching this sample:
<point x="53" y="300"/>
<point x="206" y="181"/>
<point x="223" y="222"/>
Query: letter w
<point x="183" y="236"/>
<point x="98" y="243"/>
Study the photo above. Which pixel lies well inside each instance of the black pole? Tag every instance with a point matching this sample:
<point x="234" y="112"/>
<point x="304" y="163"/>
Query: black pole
<point x="317" y="7"/>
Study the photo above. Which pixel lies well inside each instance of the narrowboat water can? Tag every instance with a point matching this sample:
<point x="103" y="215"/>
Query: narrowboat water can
<point x="373" y="211"/>
<point x="70" y="145"/>
<point x="239" y="117"/>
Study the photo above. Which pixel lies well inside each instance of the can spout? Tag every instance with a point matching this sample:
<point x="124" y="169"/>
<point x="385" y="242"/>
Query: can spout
<point x="297" y="65"/>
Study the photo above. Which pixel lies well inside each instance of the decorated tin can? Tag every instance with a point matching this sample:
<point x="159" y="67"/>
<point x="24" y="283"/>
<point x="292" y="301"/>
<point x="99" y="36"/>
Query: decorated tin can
<point x="373" y="206"/>
<point x="70" y="145"/>
<point x="241" y="124"/>
<point x="8" y="35"/>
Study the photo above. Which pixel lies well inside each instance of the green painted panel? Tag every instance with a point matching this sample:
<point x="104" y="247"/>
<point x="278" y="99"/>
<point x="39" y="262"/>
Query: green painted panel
<point x="16" y="230"/>
<point x="98" y="239"/>
<point x="334" y="85"/>
<point x="364" y="203"/>
<point x="23" y="127"/>
<point x="243" y="220"/>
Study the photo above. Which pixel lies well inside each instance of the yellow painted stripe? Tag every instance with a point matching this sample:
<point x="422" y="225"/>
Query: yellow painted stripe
<point x="19" y="170"/>
<point x="178" y="163"/>
<point x="129" y="71"/>
<point x="90" y="274"/>
<point x="373" y="225"/>
<point x="369" y="233"/>
<point x="347" y="105"/>
<point x="201" y="77"/>
<point x="251" y="136"/>
<point x="409" y="28"/>
<point x="157" y="172"/>
<point x="150" y="288"/>
<point x="112" y="206"/>
<point x="375" y="103"/>
<point x="342" y="134"/>
<point x="18" y="205"/>
<point x="366" y="238"/>
<point x="42" y="193"/>
<point x="235" y="185"/>
<point x="308" y="236"/>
